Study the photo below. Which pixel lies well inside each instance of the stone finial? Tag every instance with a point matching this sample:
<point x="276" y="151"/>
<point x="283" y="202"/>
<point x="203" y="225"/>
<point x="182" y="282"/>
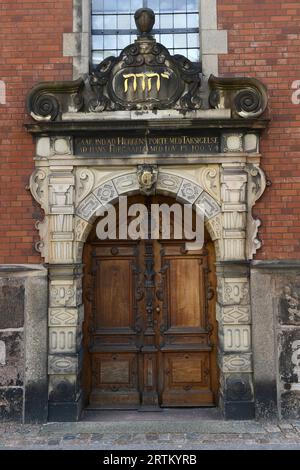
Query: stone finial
<point x="144" y="20"/>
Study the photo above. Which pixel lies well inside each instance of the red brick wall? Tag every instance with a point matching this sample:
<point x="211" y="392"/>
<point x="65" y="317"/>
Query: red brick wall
<point x="30" y="51"/>
<point x="264" y="42"/>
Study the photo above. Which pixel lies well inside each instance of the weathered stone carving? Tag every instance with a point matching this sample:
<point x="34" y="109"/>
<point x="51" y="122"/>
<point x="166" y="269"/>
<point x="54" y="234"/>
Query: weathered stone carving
<point x="233" y="291"/>
<point x="233" y="189"/>
<point x="237" y="363"/>
<point x="62" y="339"/>
<point x="246" y="97"/>
<point x="256" y="187"/>
<point x="289" y="306"/>
<point x="189" y="191"/>
<point x="237" y="338"/>
<point x="61" y="192"/>
<point x="88" y="207"/>
<point x="46" y="101"/>
<point x="168" y="183"/>
<point x="62" y="294"/>
<point x="147" y="178"/>
<point x="61" y="145"/>
<point x="209" y="179"/>
<point x="207" y="204"/>
<point x="232" y="143"/>
<point x="106" y="193"/>
<point x="215" y="227"/>
<point x="38" y="185"/>
<point x="62" y="364"/>
<point x="42" y="246"/>
<point x="65" y="316"/>
<point x="82" y="229"/>
<point x="127" y="184"/>
<point x="235" y="314"/>
<point x="85" y="181"/>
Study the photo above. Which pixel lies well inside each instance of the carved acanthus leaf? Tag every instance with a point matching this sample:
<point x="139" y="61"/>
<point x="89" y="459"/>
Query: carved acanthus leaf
<point x="38" y="185"/>
<point x="256" y="187"/>
<point x="85" y="182"/>
<point x="209" y="179"/>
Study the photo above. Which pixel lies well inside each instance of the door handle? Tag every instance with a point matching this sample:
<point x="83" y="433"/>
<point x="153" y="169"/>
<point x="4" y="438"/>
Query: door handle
<point x="157" y="309"/>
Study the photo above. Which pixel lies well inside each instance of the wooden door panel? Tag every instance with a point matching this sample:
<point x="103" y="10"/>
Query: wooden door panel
<point x="114" y="340"/>
<point x="187" y="380"/>
<point x="114" y="293"/>
<point x="186" y="300"/>
<point x="115" y="380"/>
<point x="150" y="331"/>
<point x="185" y="344"/>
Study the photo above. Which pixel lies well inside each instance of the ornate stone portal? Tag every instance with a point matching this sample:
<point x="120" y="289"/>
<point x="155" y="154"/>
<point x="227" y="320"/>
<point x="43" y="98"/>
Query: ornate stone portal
<point x="199" y="140"/>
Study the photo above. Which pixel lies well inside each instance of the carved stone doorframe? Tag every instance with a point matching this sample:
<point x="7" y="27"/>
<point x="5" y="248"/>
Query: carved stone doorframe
<point x="71" y="197"/>
<point x="202" y="133"/>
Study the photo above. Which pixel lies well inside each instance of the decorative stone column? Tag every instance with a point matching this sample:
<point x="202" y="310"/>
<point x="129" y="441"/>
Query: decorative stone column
<point x="233" y="303"/>
<point x="65" y="334"/>
<point x="53" y="186"/>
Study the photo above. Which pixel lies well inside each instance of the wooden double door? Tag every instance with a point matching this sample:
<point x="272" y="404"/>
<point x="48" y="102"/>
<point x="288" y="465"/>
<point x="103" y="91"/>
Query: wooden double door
<point x="150" y="332"/>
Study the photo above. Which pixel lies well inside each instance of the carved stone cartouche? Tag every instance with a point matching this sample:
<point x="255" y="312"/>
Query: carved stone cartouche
<point x="146" y="76"/>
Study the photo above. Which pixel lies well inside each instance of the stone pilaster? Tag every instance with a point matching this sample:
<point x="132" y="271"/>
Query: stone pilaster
<point x="234" y="208"/>
<point x="235" y="357"/>
<point x="234" y="310"/>
<point x="65" y="335"/>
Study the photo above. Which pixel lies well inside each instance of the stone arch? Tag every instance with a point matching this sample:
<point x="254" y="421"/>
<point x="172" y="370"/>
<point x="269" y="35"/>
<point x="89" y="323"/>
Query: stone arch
<point x="184" y="190"/>
<point x="71" y="200"/>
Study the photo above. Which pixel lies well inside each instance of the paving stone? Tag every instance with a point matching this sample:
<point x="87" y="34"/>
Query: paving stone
<point x="290" y="435"/>
<point x="53" y="442"/>
<point x="167" y="437"/>
<point x="84" y="436"/>
<point x="178" y="438"/>
<point x="152" y="437"/>
<point x="271" y="428"/>
<point x="96" y="437"/>
<point x="194" y="436"/>
<point x="262" y="440"/>
<point x="278" y="435"/>
<point x="285" y="426"/>
<point x="69" y="437"/>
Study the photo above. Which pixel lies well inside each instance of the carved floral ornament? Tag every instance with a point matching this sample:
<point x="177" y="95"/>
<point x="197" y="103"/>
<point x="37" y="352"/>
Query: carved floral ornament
<point x="70" y="215"/>
<point x="146" y="76"/>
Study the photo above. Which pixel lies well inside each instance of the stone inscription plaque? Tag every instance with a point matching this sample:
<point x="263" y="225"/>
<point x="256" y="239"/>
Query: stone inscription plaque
<point x="163" y="145"/>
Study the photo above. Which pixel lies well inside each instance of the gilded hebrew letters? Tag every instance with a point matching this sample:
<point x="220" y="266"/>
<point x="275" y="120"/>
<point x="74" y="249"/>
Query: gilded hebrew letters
<point x="143" y="81"/>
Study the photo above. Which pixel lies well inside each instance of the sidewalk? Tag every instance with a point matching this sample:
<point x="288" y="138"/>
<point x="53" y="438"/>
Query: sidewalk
<point x="170" y="429"/>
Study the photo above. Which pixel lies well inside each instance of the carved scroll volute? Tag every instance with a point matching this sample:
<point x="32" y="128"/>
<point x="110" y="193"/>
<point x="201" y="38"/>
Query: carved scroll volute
<point x="256" y="187"/>
<point x="245" y="97"/>
<point x="38" y="185"/>
<point x="85" y="179"/>
<point x="48" y="100"/>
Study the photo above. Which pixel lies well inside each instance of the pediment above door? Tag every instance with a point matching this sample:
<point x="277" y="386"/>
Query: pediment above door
<point x="146" y="77"/>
